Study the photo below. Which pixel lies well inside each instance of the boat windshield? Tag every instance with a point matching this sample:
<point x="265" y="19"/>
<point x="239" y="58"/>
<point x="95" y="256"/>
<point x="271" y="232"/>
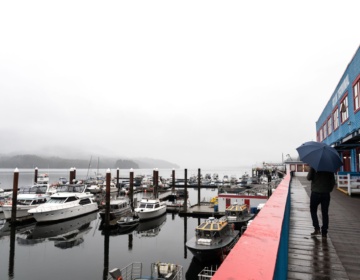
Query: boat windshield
<point x="70" y="188"/>
<point x="41" y="189"/>
<point x="24" y="202"/>
<point x="57" y="200"/>
<point x="38" y="189"/>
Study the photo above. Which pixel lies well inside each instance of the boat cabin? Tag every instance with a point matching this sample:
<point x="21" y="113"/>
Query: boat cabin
<point x="149" y="204"/>
<point x="211" y="228"/>
<point x="236" y="210"/>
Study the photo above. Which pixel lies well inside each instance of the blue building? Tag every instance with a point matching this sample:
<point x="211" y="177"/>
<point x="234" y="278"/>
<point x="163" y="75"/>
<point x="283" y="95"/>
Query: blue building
<point x="339" y="123"/>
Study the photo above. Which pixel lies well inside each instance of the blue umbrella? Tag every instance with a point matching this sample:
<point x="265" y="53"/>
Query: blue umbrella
<point x="320" y="156"/>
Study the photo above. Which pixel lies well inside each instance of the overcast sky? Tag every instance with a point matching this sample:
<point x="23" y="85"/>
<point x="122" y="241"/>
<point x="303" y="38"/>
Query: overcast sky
<point x="197" y="83"/>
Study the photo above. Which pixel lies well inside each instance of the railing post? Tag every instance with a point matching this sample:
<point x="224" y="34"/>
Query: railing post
<point x="349" y="184"/>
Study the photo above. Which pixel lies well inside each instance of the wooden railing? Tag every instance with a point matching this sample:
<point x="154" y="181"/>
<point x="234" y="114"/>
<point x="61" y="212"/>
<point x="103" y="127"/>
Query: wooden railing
<point x="348" y="182"/>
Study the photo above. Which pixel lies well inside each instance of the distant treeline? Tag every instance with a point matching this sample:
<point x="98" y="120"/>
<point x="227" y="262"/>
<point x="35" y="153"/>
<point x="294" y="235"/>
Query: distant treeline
<point x="32" y="161"/>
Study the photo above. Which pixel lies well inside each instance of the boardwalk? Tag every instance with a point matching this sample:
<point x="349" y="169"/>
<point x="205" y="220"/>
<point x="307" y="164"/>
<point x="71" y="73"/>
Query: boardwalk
<point x="337" y="257"/>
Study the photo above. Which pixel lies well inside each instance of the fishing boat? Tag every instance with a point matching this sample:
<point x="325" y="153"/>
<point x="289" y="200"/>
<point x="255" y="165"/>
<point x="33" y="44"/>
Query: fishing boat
<point x="69" y="201"/>
<point x="118" y="207"/>
<point x="150" y="208"/>
<point x="238" y="215"/>
<point x="158" y="271"/>
<point x="27" y="198"/>
<point x="213" y="240"/>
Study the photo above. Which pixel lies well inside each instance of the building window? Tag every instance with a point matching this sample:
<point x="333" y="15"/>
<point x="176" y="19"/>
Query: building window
<point x="344" y="110"/>
<point x="356" y="89"/>
<point x="336" y="118"/>
<point x="325" y="130"/>
<point x="329" y="125"/>
<point x="356" y="93"/>
<point x="321" y="134"/>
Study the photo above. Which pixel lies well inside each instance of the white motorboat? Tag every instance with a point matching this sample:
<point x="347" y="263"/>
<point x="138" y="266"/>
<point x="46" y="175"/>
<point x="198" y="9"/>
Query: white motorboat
<point x="27" y="198"/>
<point x="68" y="202"/>
<point x="94" y="189"/>
<point x="43" y="179"/>
<point x="150" y="208"/>
<point x="113" y="188"/>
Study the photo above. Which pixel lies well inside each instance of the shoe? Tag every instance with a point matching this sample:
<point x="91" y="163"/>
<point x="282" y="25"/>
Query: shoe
<point x="316" y="232"/>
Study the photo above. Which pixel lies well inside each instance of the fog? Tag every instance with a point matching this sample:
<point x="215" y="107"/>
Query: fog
<point x="197" y="83"/>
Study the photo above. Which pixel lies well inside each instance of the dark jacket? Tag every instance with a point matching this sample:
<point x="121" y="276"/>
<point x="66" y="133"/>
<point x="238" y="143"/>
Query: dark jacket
<point x="321" y="182"/>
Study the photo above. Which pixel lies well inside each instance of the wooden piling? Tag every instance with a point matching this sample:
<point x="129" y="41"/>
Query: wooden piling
<point x="185" y="192"/>
<point x="117" y="178"/>
<point x="157" y="183"/>
<point x="199" y="185"/>
<point x="154" y="183"/>
<point x="107" y="198"/>
<point x="117" y="181"/>
<point x="131" y="190"/>
<point x="35" y="175"/>
<point x="71" y="176"/>
<point x="173" y="180"/>
<point x="14" y="196"/>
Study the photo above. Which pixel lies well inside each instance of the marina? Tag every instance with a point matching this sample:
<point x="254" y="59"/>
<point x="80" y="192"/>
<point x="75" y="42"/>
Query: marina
<point x="81" y="249"/>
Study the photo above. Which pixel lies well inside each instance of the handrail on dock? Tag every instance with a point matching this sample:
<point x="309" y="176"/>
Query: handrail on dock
<point x="262" y="251"/>
<point x="348" y="182"/>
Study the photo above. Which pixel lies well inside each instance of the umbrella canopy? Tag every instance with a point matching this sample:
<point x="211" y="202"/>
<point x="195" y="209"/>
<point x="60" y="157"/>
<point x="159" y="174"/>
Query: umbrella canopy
<point x="320" y="156"/>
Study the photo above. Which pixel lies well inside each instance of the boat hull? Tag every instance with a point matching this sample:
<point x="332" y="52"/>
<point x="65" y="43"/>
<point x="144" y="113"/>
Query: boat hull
<point x="21" y="211"/>
<point x="146" y="215"/>
<point x="206" y="253"/>
<point x="58" y="214"/>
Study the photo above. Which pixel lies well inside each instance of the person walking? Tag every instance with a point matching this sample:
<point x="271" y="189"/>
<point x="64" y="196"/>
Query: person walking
<point x="322" y="184"/>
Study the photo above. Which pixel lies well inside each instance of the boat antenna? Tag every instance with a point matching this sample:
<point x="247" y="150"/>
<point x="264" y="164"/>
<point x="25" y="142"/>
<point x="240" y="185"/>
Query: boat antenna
<point x="87" y="174"/>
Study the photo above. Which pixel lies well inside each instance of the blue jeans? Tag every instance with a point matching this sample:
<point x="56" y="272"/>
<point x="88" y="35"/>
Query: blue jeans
<point x="324" y="200"/>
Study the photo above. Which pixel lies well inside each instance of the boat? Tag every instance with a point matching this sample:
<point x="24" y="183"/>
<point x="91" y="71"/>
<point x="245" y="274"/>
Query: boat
<point x="238" y="215"/>
<point x="128" y="221"/>
<point x="158" y="271"/>
<point x="213" y="240"/>
<point x="118" y="207"/>
<point x="94" y="189"/>
<point x="4" y="198"/>
<point x="150" y="208"/>
<point x="27" y="198"/>
<point x="113" y="188"/>
<point x="174" y="203"/>
<point x="42" y="179"/>
<point x="69" y="201"/>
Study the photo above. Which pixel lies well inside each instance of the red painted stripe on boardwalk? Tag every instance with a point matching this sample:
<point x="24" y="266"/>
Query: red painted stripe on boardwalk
<point x="254" y="256"/>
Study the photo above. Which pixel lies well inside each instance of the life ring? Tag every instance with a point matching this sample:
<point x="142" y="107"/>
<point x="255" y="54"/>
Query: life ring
<point x="119" y="278"/>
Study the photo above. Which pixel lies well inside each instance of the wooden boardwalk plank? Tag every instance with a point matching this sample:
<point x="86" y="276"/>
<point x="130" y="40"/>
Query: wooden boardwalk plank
<point x="309" y="257"/>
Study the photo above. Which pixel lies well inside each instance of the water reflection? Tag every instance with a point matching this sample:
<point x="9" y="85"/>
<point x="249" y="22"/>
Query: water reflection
<point x="5" y="228"/>
<point x="150" y="228"/>
<point x="66" y="234"/>
<point x="12" y="252"/>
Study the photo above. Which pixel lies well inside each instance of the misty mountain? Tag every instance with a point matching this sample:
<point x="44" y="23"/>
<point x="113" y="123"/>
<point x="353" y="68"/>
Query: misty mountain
<point x="32" y="161"/>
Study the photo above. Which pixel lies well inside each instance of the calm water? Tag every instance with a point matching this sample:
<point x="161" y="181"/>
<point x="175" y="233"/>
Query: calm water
<point x="79" y="249"/>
